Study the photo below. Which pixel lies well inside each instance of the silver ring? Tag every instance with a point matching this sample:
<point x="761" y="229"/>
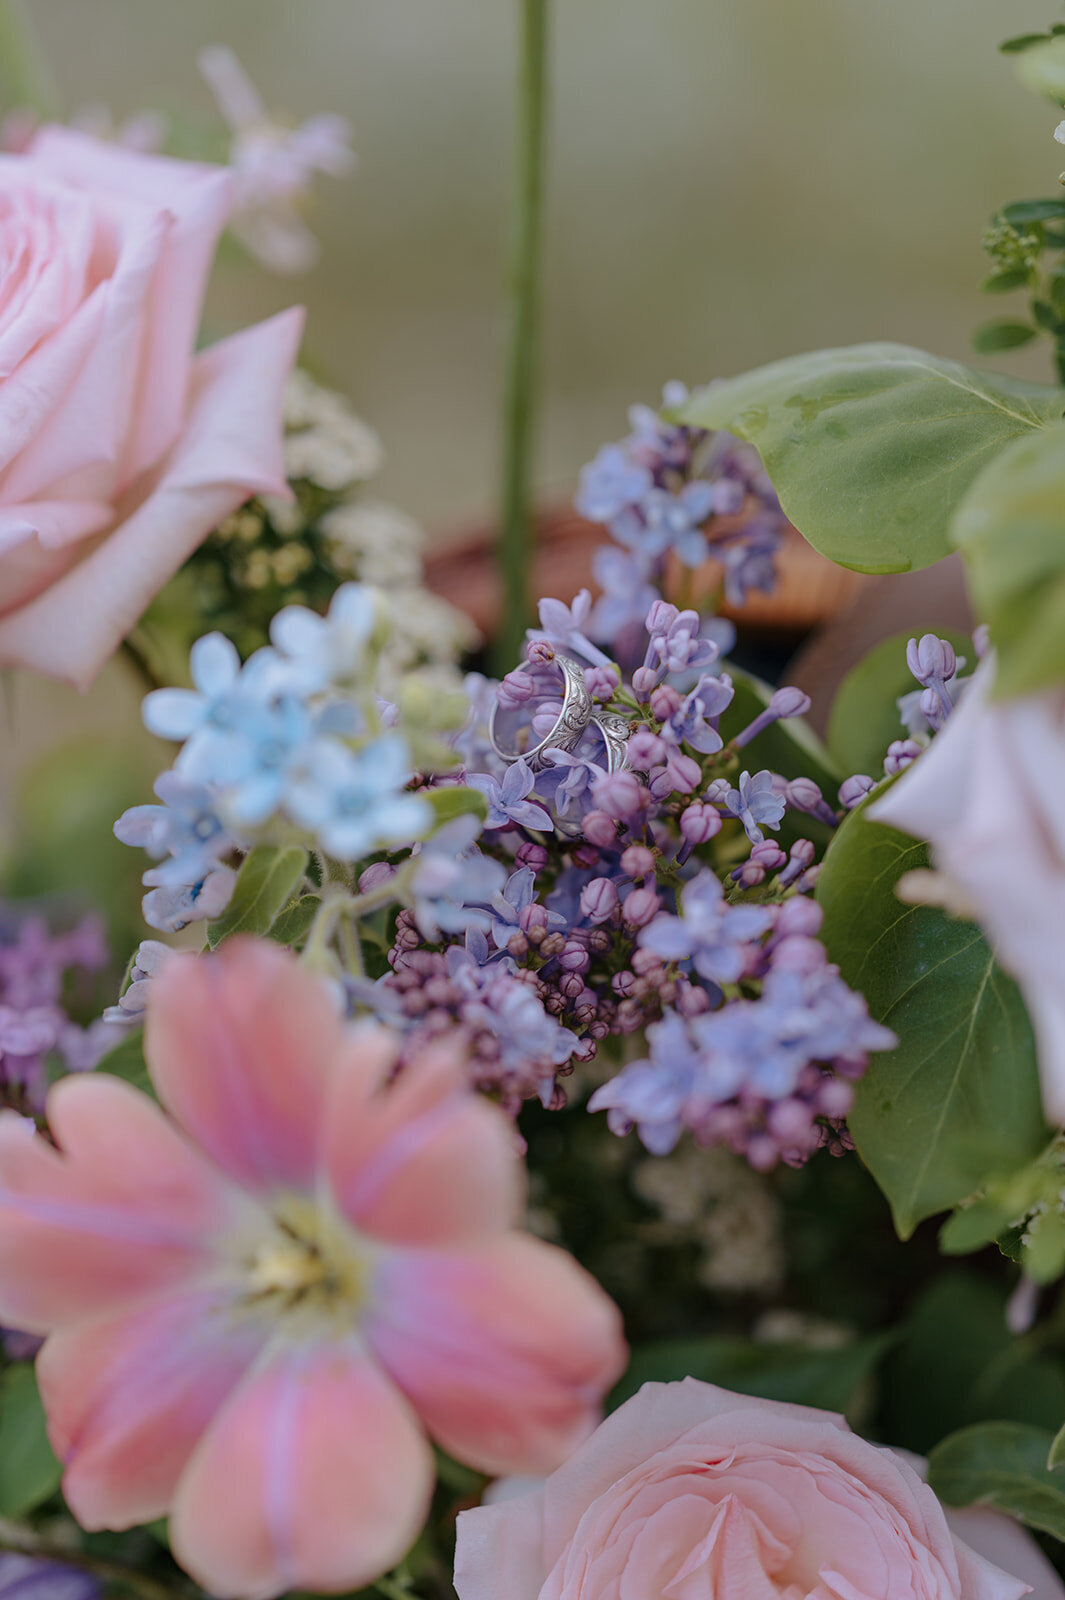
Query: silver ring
<point x="572" y="720"/>
<point x="615" y="730"/>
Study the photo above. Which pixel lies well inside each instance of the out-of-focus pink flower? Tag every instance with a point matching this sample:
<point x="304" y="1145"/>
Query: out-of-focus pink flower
<point x="120" y="448"/>
<point x="274" y="165"/>
<point x="688" y="1490"/>
<point x="987" y="795"/>
<point x="256" y="1303"/>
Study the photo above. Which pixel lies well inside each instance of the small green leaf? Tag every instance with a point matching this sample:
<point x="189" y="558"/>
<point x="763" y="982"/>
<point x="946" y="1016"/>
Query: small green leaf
<point x="1023" y="212"/>
<point x="865" y="716"/>
<point x="455" y="800"/>
<point x="871" y="448"/>
<point x="1056" y="1454"/>
<point x="829" y="1379"/>
<point x="1010" y="528"/>
<point x="1002" y="1464"/>
<point x="29" y="1471"/>
<point x="1021" y="41"/>
<point x="1003" y="282"/>
<point x="265" y="884"/>
<point x="294" y="922"/>
<point x="126" y="1061"/>
<point x="958" y="1102"/>
<point x="1002" y="334"/>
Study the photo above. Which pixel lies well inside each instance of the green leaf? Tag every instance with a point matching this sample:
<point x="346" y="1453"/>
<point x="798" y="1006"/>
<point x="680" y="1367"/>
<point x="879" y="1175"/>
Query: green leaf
<point x="865" y="716"/>
<point x="829" y="1379"/>
<point x="957" y="1103"/>
<point x="956" y="1363"/>
<point x="1022" y="212"/>
<point x="1041" y="68"/>
<point x="294" y="923"/>
<point x="126" y="1061"/>
<point x="871" y="448"/>
<point x="29" y="1471"/>
<point x="1002" y="334"/>
<point x="265" y="885"/>
<point x="1056" y="1454"/>
<point x="455" y="800"/>
<point x="1003" y="282"/>
<point x="1010" y="528"/>
<point x="1001" y="1464"/>
<point x="1021" y="41"/>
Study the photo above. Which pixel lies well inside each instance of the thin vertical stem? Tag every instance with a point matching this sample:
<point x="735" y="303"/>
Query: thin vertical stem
<point x="519" y="398"/>
<point x="26" y="81"/>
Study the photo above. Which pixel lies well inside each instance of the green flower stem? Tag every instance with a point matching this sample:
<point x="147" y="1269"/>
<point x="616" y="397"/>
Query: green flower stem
<point x="519" y="397"/>
<point x="338" y="917"/>
<point x="25" y="1542"/>
<point x="26" y="81"/>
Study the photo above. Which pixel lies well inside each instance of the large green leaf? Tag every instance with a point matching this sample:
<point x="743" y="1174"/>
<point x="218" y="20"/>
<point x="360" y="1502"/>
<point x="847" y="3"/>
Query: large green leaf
<point x="29" y="1471"/>
<point x="865" y="715"/>
<point x="126" y="1061"/>
<point x="1010" y="528"/>
<point x="1001" y="1464"/>
<point x="871" y="448"/>
<point x="265" y="885"/>
<point x="957" y="1103"/>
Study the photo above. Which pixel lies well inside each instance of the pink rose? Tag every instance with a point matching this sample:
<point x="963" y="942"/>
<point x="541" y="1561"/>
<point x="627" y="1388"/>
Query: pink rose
<point x="987" y="795"/>
<point x="120" y="449"/>
<point x="688" y="1491"/>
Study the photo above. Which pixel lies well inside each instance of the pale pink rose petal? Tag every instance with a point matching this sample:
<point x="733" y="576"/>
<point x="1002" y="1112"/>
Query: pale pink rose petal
<point x="314" y="1475"/>
<point x="29" y="395"/>
<point x="500" y="1549"/>
<point x="422" y="1160"/>
<point x="124" y="1209"/>
<point x="51" y="523"/>
<point x="199" y="200"/>
<point x="240" y="1046"/>
<point x="465" y="1332"/>
<point x="45" y="281"/>
<point x="230" y="450"/>
<point x="1005" y="1547"/>
<point x="128" y="1398"/>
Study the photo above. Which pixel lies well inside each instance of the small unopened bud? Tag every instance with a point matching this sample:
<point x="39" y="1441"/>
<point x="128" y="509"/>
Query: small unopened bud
<point x="854" y="790"/>
<point x="599" y="899"/>
<point x="699" y="822"/>
<point x="638" y="861"/>
<point x="640" y="906"/>
<point x="931" y="659"/>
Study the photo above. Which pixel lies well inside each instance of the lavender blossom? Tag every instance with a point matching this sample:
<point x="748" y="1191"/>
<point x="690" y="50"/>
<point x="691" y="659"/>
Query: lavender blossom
<point x="756" y="803"/>
<point x="508" y="801"/>
<point x="452" y="883"/>
<point x="709" y="932"/>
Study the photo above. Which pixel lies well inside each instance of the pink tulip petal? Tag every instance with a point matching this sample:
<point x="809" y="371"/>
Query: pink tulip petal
<point x="314" y="1475"/>
<point x="123" y="1209"/>
<point x="128" y="1398"/>
<point x="230" y="450"/>
<point x="423" y="1160"/>
<point x="240" y="1046"/>
<point x="505" y="1349"/>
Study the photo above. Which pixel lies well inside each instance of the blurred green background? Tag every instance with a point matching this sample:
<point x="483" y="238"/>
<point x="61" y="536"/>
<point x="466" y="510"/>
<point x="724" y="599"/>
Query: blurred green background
<point x="729" y="181"/>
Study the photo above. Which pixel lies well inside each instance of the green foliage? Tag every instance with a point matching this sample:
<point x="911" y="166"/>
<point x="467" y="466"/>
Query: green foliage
<point x="828" y="1378"/>
<point x="1041" y="67"/>
<point x="294" y="923"/>
<point x="1020" y="42"/>
<point x="455" y="801"/>
<point x="1056" y="1454"/>
<point x="265" y="884"/>
<point x="1010" y="529"/>
<point x="1003" y="333"/>
<point x="865" y="717"/>
<point x="29" y="1471"/>
<point x="957" y="1103"/>
<point x="956" y="1363"/>
<point x="1001" y="1464"/>
<point x="126" y="1061"/>
<point x="871" y="448"/>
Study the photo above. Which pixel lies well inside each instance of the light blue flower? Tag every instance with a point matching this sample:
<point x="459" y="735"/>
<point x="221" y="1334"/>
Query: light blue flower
<point x="354" y="801"/>
<point x="253" y="762"/>
<point x="317" y="652"/>
<point x="173" y="907"/>
<point x="186" y="827"/>
<point x="452" y="883"/>
<point x="221" y="692"/>
<point x="757" y="804"/>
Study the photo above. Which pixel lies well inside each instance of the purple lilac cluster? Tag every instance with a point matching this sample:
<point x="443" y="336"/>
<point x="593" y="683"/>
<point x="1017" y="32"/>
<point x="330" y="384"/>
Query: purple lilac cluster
<point x="36" y="1034"/>
<point x="672" y="489"/>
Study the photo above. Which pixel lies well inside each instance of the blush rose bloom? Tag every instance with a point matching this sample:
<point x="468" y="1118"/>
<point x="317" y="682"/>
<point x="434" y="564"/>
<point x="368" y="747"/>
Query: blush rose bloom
<point x="987" y="796"/>
<point x="688" y="1491"/>
<point x="260" y="1300"/>
<point x="120" y="448"/>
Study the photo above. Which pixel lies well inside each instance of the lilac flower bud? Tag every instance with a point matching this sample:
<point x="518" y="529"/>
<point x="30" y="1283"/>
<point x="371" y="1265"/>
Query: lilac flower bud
<point x="619" y="794"/>
<point x="586" y="856"/>
<point x="646" y="964"/>
<point x="786" y="702"/>
<point x="900" y="753"/>
<point x="933" y="709"/>
<point x="692" y="1001"/>
<point x="598" y="941"/>
<point x="789" y="1121"/>
<point x="623" y="984"/>
<point x="539" y="652"/>
<point x="640" y="906"/>
<point x="931" y="659"/>
<point x="553" y="945"/>
<point x="854" y="790"/>
<point x="572" y="985"/>
<point x="769" y="855"/>
<point x="665" y="702"/>
<point x="749" y="876"/>
<point x="699" y="822"/>
<point x="644" y="682"/>
<point x="801" y="857"/>
<point x="685" y="772"/>
<point x="602" y="682"/>
<point x="574" y="958"/>
<point x="516" y="689"/>
<point x="638" y="861"/>
<point x="762" y="1153"/>
<point x="834" y="1098"/>
<point x="518" y="946"/>
<point x="797" y="953"/>
<point x="531" y="855"/>
<point x="660" y="783"/>
<point x="599" y="899"/>
<point x="545" y="717"/>
<point x="718" y="792"/>
<point x="375" y="875"/>
<point x="645" y="749"/>
<point x="533" y="918"/>
<point x="804" y="795"/>
<point x="600" y="829"/>
<point x="799" y="915"/>
<point x="661" y="617"/>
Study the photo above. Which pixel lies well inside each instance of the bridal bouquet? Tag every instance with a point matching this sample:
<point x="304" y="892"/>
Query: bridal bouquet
<point x="529" y="1151"/>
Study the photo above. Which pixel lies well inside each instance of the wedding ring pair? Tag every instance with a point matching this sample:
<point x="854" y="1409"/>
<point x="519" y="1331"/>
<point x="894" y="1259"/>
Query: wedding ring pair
<point x="578" y="714"/>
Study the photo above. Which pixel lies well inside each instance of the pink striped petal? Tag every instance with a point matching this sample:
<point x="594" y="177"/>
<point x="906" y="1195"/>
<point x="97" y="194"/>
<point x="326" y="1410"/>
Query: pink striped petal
<point x="422" y="1160"/>
<point x="505" y="1349"/>
<point x="240" y="1046"/>
<point x="315" y="1476"/>
<point x="128" y="1398"/>
<point x="124" y="1209"/>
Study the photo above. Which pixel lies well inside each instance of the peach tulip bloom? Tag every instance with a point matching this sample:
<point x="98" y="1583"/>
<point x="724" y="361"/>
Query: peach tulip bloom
<point x="259" y="1300"/>
<point x="120" y="447"/>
